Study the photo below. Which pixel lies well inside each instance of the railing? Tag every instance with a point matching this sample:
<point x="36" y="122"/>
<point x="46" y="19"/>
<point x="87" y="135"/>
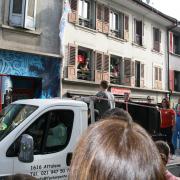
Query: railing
<point x="85" y="22"/>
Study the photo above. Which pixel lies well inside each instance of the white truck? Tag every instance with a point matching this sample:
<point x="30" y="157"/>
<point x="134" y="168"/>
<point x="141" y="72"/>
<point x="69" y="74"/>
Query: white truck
<point x="37" y="136"/>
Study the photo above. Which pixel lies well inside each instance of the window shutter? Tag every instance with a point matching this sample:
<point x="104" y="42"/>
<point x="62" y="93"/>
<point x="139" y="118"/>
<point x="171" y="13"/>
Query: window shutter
<point x="126" y="27"/>
<point x="72" y="57"/>
<point x="106" y="20"/>
<point x="171" y="43"/>
<point x="159" y="36"/>
<point x="98" y="66"/>
<point x="143" y="25"/>
<point x="106" y="68"/>
<point x="30" y="14"/>
<point x="160" y="79"/>
<point x="132" y="73"/>
<point x="142" y="76"/>
<point x="16" y="13"/>
<point x="156" y="79"/>
<point x="73" y="16"/>
<point x="171" y="79"/>
<point x="127" y="72"/>
<point x="99" y="19"/>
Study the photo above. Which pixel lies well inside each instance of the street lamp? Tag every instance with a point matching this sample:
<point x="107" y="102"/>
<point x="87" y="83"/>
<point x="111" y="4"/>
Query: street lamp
<point x="177" y="24"/>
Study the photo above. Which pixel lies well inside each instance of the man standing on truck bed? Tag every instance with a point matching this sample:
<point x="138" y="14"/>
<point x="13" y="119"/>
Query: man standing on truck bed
<point x="101" y="104"/>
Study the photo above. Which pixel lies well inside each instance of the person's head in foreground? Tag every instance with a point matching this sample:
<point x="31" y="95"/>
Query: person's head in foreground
<point x="117" y="113"/>
<point x="164" y="151"/>
<point x="116" y="150"/>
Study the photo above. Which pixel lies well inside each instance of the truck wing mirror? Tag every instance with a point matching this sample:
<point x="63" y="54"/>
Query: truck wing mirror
<point x="26" y="153"/>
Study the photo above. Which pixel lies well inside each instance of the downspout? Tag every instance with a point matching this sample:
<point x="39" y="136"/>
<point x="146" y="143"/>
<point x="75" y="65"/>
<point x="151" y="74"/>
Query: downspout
<point x="62" y="58"/>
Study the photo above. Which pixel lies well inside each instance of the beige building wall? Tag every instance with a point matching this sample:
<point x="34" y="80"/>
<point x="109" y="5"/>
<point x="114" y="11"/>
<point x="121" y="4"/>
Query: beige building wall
<point x="96" y="41"/>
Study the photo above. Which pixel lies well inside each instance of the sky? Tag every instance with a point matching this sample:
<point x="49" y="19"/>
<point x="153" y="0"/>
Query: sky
<point x="169" y="7"/>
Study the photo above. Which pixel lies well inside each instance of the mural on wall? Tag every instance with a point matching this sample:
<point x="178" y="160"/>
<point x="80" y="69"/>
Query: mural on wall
<point x="28" y="65"/>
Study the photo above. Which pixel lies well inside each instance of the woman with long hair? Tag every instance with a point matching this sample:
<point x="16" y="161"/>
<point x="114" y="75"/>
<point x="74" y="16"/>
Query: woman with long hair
<point x="167" y="122"/>
<point x="115" y="149"/>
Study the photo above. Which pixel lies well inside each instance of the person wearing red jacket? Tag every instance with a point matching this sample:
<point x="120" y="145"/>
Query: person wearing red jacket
<point x="167" y="122"/>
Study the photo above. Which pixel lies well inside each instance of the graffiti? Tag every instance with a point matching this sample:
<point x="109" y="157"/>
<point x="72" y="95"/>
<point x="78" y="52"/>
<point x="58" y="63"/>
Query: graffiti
<point x="28" y="65"/>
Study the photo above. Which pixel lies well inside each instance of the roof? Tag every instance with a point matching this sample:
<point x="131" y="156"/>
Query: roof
<point x="147" y="11"/>
<point x="154" y="10"/>
<point x="50" y="102"/>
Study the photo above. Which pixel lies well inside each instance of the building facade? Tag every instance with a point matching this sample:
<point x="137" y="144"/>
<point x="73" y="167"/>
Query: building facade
<point x="174" y="63"/>
<point x="123" y="42"/>
<point x="29" y="48"/>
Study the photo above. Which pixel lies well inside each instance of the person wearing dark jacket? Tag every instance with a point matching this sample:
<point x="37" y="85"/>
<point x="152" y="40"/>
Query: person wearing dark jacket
<point x="104" y="99"/>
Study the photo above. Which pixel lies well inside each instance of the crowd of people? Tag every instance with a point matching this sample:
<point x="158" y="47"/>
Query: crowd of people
<point x="117" y="148"/>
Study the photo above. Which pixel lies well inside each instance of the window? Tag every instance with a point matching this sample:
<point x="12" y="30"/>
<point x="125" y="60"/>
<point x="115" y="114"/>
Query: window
<point x="17" y="7"/>
<point x="156" y="39"/>
<point x="116" y="24"/>
<point x="176" y="81"/>
<point x="22" y="13"/>
<point x="102" y="18"/>
<point x="82" y="13"/>
<point x="80" y="63"/>
<point x="129" y="72"/>
<point x="158" y="78"/>
<point x="139" y="74"/>
<point x="138" y="32"/>
<point x="84" y="64"/>
<point x="51" y="133"/>
<point x="176" y="44"/>
<point x="116" y="69"/>
<point x="12" y="116"/>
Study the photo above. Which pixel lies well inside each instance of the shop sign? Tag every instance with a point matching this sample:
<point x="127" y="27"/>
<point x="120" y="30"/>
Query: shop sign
<point x="120" y="91"/>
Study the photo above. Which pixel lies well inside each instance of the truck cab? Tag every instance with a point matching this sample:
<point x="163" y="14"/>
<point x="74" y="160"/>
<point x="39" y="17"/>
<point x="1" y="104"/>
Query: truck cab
<point x="37" y="136"/>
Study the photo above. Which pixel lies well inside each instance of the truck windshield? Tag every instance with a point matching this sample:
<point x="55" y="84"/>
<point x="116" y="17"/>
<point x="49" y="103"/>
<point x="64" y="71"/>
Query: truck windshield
<point x="12" y="116"/>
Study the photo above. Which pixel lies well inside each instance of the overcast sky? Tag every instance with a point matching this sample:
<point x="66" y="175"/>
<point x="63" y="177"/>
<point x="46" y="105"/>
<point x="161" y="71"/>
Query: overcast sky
<point x="169" y="7"/>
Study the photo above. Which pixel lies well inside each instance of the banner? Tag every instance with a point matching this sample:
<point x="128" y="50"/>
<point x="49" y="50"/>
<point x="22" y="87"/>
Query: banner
<point x="62" y="25"/>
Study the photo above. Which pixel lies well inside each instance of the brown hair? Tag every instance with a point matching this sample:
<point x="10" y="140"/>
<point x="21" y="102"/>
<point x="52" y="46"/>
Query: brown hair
<point x="116" y="150"/>
<point x="104" y="84"/>
<point x="167" y="103"/>
<point x="117" y="113"/>
<point x="164" y="150"/>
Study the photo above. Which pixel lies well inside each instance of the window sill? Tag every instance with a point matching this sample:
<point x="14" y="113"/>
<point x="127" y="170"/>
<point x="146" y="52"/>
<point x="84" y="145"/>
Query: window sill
<point x="92" y="31"/>
<point x="157" y="52"/>
<point x="34" y="33"/>
<point x="174" y="54"/>
<point x="138" y="46"/>
<point x="79" y="81"/>
<point x="116" y="38"/>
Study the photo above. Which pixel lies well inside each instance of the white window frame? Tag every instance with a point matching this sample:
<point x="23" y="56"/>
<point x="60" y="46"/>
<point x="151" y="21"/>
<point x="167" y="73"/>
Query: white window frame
<point x="135" y="32"/>
<point x="22" y="20"/>
<point x="159" y="74"/>
<point x="120" y="28"/>
<point x="81" y="11"/>
<point x="159" y="38"/>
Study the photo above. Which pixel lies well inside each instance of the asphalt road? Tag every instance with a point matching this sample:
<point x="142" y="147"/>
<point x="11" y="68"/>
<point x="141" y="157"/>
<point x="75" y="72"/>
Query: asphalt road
<point x="174" y="165"/>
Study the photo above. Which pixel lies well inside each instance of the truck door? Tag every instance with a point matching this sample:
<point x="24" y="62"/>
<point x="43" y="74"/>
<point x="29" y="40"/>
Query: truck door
<point x="53" y="135"/>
